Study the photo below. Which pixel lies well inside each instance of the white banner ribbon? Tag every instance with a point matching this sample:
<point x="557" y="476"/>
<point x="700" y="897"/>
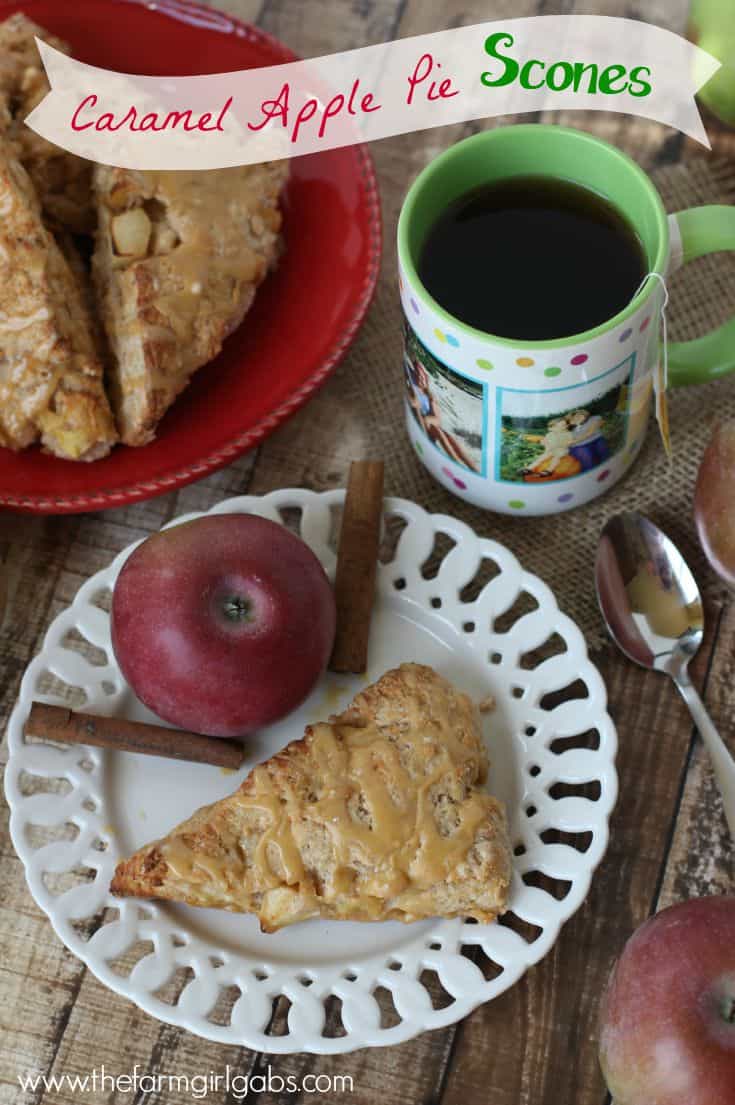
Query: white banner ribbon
<point x="506" y="67"/>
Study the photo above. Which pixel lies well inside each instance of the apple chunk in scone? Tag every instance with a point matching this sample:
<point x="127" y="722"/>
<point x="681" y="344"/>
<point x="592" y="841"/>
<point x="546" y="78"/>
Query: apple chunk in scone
<point x="178" y="260"/>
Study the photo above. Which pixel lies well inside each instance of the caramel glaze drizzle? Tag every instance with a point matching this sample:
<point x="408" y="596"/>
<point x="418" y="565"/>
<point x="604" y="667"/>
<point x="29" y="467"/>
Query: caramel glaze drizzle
<point x="390" y="771"/>
<point x="228" y="216"/>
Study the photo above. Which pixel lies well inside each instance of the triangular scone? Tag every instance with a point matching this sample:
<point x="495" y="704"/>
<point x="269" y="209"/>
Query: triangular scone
<point x="375" y="815"/>
<point x="51" y="376"/>
<point x="63" y="182"/>
<point x="178" y="259"/>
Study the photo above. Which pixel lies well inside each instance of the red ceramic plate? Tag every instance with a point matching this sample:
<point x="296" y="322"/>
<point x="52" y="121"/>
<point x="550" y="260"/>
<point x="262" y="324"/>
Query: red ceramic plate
<point x="305" y="315"/>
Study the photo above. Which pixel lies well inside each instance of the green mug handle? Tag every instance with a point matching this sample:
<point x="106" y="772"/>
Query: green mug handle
<point x="702" y="230"/>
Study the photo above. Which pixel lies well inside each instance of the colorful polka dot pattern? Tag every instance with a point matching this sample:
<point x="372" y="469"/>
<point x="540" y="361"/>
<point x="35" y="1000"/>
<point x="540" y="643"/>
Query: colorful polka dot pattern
<point x="550" y="371"/>
<point x="449" y="339"/>
<point x="516" y="504"/>
<point x="566" y="497"/>
<point x="455" y="479"/>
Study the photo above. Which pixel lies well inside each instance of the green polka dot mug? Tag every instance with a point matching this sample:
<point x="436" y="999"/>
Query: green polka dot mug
<point x="539" y="427"/>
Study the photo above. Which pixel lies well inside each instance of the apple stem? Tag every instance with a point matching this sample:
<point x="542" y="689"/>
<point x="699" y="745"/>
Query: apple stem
<point x="238" y="609"/>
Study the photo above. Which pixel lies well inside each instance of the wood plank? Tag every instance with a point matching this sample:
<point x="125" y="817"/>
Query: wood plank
<point x="107" y="1033"/>
<point x="70" y="1022"/>
<point x="246" y="10"/>
<point x="38" y="980"/>
<point x="647" y="142"/>
<point x="543" y="1031"/>
<point x="701" y="859"/>
<point x="721" y="136"/>
<point x="397" y="1075"/>
<point x="49" y="559"/>
<point x="308" y="30"/>
<point x="33" y="964"/>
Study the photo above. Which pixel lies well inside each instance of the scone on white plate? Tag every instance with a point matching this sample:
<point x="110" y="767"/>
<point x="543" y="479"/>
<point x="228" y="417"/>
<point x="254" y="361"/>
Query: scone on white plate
<point x="377" y="814"/>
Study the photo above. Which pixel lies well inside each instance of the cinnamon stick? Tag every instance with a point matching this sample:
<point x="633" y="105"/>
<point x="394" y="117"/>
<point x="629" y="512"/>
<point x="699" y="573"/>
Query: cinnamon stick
<point x="357" y="562"/>
<point x="61" y="724"/>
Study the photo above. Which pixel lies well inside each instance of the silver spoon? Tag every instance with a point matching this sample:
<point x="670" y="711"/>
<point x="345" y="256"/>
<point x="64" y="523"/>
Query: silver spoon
<point x="653" y="611"/>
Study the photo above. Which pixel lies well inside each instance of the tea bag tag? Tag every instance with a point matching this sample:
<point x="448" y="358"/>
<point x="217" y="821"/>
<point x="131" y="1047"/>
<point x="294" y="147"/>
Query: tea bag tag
<point x="661" y="372"/>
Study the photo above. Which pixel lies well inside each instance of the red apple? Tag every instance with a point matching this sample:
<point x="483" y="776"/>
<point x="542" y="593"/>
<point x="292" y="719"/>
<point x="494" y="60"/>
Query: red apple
<point x="667" y="1030"/>
<point x="223" y="624"/>
<point x="714" y="502"/>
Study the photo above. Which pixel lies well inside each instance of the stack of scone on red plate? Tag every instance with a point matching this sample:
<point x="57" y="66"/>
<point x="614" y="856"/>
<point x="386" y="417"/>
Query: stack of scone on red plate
<point x="115" y="285"/>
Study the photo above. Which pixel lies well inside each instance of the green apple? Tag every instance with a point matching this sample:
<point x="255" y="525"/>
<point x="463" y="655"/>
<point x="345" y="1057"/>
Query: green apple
<point x="712" y="27"/>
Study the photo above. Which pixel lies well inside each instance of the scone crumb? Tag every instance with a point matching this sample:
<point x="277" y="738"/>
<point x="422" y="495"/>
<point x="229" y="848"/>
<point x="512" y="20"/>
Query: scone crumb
<point x="487" y="705"/>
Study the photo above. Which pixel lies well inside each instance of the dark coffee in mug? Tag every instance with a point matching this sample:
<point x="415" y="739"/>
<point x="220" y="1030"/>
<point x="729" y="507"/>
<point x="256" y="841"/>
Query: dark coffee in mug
<point x="532" y="258"/>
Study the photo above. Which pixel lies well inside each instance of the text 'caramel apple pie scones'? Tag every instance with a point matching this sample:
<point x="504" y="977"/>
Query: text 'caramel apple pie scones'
<point x="51" y="376"/>
<point x="377" y="814"/>
<point x="178" y="260"/>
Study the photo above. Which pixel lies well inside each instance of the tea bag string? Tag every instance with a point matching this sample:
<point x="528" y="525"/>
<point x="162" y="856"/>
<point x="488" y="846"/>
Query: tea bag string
<point x="664" y="321"/>
<point x="661" y="375"/>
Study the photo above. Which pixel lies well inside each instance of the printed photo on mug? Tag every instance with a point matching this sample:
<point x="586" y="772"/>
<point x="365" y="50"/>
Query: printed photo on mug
<point x="447" y="408"/>
<point x="563" y="442"/>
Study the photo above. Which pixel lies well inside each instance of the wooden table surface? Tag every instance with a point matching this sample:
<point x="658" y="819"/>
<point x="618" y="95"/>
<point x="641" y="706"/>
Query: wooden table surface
<point x="536" y="1044"/>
